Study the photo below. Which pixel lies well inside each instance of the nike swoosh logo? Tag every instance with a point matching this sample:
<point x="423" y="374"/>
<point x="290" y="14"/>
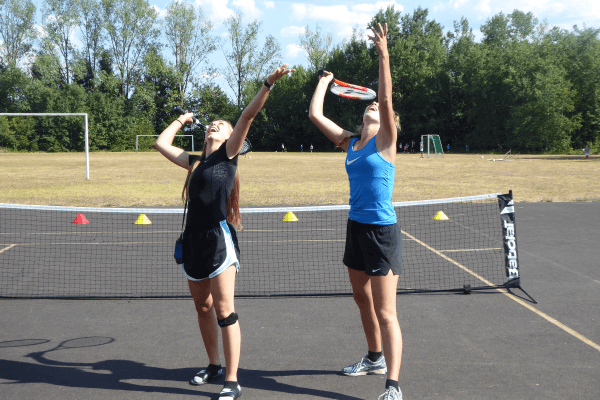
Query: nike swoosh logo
<point x="348" y="162"/>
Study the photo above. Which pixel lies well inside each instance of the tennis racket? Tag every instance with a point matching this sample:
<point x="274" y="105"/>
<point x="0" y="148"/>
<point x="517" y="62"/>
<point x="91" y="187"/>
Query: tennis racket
<point x="195" y="121"/>
<point x="350" y="91"/>
<point x="246" y="146"/>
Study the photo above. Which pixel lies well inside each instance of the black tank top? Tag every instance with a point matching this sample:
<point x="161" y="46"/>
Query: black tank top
<point x="209" y="189"/>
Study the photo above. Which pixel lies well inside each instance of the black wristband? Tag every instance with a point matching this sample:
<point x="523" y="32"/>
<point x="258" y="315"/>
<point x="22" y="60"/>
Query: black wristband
<point x="269" y="86"/>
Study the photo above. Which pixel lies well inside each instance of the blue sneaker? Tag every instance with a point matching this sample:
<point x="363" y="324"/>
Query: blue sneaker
<point x="391" y="394"/>
<point x="366" y="367"/>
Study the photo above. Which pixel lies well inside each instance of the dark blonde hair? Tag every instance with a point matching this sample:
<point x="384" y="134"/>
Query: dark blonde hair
<point x="359" y="128"/>
<point x="233" y="203"/>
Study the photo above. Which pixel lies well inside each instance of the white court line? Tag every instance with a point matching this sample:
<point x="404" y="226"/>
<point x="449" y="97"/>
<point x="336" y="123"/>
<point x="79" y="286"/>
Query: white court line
<point x="462" y="250"/>
<point x="6" y="248"/>
<point x="512" y="297"/>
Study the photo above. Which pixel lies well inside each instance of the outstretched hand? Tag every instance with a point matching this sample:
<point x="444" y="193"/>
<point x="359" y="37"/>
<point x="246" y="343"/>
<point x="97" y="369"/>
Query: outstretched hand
<point x="278" y="73"/>
<point x="380" y="37"/>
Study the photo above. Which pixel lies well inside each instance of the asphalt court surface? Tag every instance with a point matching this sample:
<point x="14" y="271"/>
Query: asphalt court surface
<point x="486" y="345"/>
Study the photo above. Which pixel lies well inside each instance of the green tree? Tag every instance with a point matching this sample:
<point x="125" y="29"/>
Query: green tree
<point x="245" y="61"/>
<point x="131" y="30"/>
<point x="579" y="53"/>
<point x="60" y="19"/>
<point x="189" y="37"/>
<point x="157" y="91"/>
<point x="17" y="31"/>
<point x="93" y="36"/>
<point x="316" y="44"/>
<point x="417" y="59"/>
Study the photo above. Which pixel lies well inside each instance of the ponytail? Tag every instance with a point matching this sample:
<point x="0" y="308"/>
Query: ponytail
<point x="233" y="204"/>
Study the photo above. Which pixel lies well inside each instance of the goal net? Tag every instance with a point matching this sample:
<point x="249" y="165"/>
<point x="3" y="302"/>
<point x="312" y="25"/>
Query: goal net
<point x="432" y="144"/>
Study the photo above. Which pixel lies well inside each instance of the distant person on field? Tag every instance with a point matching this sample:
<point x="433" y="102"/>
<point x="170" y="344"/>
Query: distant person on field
<point x="301" y="148"/>
<point x="311" y="147"/>
<point x="586" y="150"/>
<point x="467" y="148"/>
<point x="448" y="148"/>
<point x="421" y="148"/>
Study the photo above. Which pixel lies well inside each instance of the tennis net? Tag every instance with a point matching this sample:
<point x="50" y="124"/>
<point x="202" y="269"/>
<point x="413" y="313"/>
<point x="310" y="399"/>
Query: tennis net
<point x="448" y="244"/>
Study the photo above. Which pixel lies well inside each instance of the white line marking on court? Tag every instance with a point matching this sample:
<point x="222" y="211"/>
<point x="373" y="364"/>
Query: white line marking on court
<point x="6" y="248"/>
<point x="87" y="243"/>
<point x="460" y="250"/>
<point x="91" y="232"/>
<point x="512" y="297"/>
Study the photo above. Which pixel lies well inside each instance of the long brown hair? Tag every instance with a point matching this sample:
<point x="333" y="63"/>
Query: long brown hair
<point x="233" y="203"/>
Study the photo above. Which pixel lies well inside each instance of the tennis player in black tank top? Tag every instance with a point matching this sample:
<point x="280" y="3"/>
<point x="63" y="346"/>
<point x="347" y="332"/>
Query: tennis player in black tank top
<point x="211" y="254"/>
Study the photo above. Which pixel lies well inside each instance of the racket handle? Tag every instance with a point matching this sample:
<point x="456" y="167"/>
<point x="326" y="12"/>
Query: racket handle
<point x="321" y="72"/>
<point x="179" y="110"/>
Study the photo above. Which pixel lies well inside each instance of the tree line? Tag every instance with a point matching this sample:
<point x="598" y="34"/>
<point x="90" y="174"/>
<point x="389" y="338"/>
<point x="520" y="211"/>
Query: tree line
<point x="524" y="86"/>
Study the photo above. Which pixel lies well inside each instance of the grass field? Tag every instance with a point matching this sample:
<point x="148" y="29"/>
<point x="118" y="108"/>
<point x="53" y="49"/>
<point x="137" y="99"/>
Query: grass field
<point x="149" y="180"/>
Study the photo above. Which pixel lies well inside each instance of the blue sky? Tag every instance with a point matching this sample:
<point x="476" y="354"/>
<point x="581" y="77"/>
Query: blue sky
<point x="286" y="19"/>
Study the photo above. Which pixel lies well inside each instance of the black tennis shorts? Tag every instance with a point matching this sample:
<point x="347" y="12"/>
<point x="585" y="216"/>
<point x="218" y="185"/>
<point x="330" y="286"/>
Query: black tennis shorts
<point x="208" y="253"/>
<point x="374" y="249"/>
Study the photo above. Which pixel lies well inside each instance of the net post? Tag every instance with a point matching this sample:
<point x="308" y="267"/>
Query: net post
<point x="87" y="149"/>
<point x="509" y="233"/>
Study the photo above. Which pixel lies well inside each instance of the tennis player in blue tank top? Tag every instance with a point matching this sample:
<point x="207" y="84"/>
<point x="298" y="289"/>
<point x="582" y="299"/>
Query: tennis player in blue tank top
<point x="373" y="238"/>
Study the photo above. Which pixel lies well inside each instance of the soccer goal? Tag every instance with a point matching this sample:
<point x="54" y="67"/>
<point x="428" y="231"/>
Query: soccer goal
<point x="432" y="144"/>
<point x="176" y="136"/>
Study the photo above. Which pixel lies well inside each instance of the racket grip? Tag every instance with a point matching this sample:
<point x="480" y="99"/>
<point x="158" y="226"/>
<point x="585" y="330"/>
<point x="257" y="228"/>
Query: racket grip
<point x="321" y="72"/>
<point x="179" y="110"/>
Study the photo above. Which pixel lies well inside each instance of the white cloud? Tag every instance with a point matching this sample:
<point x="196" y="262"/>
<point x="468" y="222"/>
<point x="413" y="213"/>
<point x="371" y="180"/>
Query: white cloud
<point x="161" y="12"/>
<point x="292" y="31"/>
<point x="215" y="10"/>
<point x="292" y="51"/>
<point x="341" y="18"/>
<point x="247" y="8"/>
<point x="269" y="4"/>
<point x="484" y="6"/>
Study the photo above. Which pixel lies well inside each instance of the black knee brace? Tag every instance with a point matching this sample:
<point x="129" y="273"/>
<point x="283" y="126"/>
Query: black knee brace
<point x="232" y="319"/>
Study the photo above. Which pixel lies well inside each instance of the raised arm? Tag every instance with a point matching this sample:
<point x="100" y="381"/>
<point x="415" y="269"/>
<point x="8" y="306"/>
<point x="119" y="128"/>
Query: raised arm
<point x="234" y="144"/>
<point x="387" y="135"/>
<point x="325" y="125"/>
<point x="164" y="143"/>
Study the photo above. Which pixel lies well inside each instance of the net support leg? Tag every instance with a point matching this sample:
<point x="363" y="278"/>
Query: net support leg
<point x="517" y="285"/>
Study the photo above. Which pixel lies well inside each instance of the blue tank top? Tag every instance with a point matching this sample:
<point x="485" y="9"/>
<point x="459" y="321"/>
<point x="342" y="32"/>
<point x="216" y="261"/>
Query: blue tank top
<point x="371" y="185"/>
